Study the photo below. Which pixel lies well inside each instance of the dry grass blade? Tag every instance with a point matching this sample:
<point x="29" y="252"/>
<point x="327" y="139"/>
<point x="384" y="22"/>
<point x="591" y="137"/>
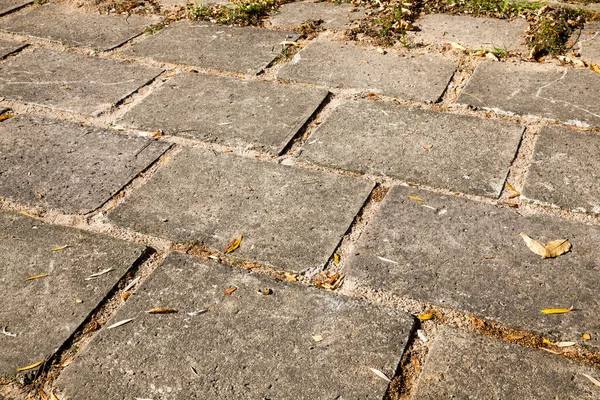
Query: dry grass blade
<point x="32" y="366"/>
<point x="117" y="324"/>
<point x="592" y="379"/>
<point x="511" y="187"/>
<point x="387" y="260"/>
<point x="564" y="344"/>
<point x="557" y="310"/>
<point x="162" y="310"/>
<point x="233" y="245"/>
<point x="415" y="198"/>
<point x="595" y="68"/>
<point x="231" y="289"/>
<point x="36" y="277"/>
<point x="380" y="374"/>
<point x="59" y="248"/>
<point x="131" y="284"/>
<point x="97" y="274"/>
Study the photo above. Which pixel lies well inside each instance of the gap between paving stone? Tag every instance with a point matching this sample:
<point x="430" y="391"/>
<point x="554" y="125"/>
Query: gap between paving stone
<point x="8" y="47"/>
<point x="586" y="42"/>
<point x="7" y="6"/>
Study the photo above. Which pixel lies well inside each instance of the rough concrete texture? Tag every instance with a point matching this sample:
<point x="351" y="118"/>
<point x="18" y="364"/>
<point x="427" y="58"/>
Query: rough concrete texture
<point x="473" y="33"/>
<point x="334" y="16"/>
<point x="469" y="256"/>
<point x="564" y="94"/>
<point x="7" y="6"/>
<point x="247" y="345"/>
<point x="450" y="151"/>
<point x="8" y="47"/>
<point x="258" y="115"/>
<point x="289" y="217"/>
<point x="73" y="27"/>
<point x="70" y="82"/>
<point x="565" y="171"/>
<point x="587" y="42"/>
<point x="44" y="312"/>
<point x="463" y="365"/>
<point x="66" y="166"/>
<point x="246" y="50"/>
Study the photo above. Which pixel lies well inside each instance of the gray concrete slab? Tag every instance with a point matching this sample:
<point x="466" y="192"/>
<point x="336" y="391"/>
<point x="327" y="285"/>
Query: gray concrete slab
<point x="247" y="345"/>
<point x="70" y="82"/>
<point x="472" y="33"/>
<point x="448" y="151"/>
<point x="345" y="65"/>
<point x="66" y="166"/>
<point x="469" y="256"/>
<point x="334" y="16"/>
<point x="254" y="114"/>
<point x="565" y="171"/>
<point x="563" y="94"/>
<point x="467" y="366"/>
<point x="43" y="313"/>
<point x="247" y="50"/>
<point x="586" y="42"/>
<point x="7" y="6"/>
<point x="74" y="27"/>
<point x="8" y="47"/>
<point x="290" y="218"/>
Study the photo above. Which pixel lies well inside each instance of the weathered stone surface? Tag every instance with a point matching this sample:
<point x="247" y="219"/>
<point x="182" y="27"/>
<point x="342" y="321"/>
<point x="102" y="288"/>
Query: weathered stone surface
<point x="247" y="50"/>
<point x="587" y="42"/>
<point x="443" y="150"/>
<point x="565" y="94"/>
<point x="43" y="312"/>
<point x="469" y="256"/>
<point x="71" y="26"/>
<point x="336" y="64"/>
<point x="565" y="171"/>
<point x="7" y="6"/>
<point x="70" y="82"/>
<point x="471" y="32"/>
<point x="8" y="47"/>
<point x="334" y="16"/>
<point x="290" y="217"/>
<point x="467" y="366"/>
<point x="260" y="115"/>
<point x="247" y="345"/>
<point x="66" y="166"/>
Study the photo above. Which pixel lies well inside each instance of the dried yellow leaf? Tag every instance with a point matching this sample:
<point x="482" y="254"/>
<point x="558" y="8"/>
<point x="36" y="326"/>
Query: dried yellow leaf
<point x="533" y="245"/>
<point x="425" y="317"/>
<point x="556" y="310"/>
<point x="59" y="248"/>
<point x="32" y="366"/>
<point x="415" y="198"/>
<point x="317" y="338"/>
<point x="43" y="394"/>
<point x="36" y="277"/>
<point x="557" y="247"/>
<point x="595" y="68"/>
<point x="290" y="277"/>
<point x="162" y="310"/>
<point x="511" y="187"/>
<point x="233" y="245"/>
<point x="232" y="289"/>
<point x="548" y="342"/>
<point x="6" y="116"/>
<point x="336" y="258"/>
<point x="512" y="196"/>
<point x="586" y="336"/>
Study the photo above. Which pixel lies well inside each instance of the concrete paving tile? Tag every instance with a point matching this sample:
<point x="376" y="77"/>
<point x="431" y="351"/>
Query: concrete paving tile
<point x="469" y="256"/>
<point x="8" y="47"/>
<point x="70" y="82"/>
<point x="247" y="345"/>
<point x="456" y="152"/>
<point x="587" y="42"/>
<point x="290" y="218"/>
<point x="334" y="16"/>
<point x="247" y="50"/>
<point x="71" y="26"/>
<point x="565" y="171"/>
<point x="259" y="115"/>
<point x="463" y="365"/>
<point x="563" y="94"/>
<point x="473" y="33"/>
<point x="7" y="6"/>
<point x="340" y="65"/>
<point x="66" y="166"/>
<point x="44" y="313"/>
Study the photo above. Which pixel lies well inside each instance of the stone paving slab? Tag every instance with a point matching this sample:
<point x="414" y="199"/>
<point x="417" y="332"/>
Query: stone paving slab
<point x="259" y="115"/>
<point x="334" y="16"/>
<point x="8" y="47"/>
<point x="247" y="345"/>
<point x="7" y="6"/>
<point x="44" y="312"/>
<point x="340" y="65"/>
<point x="66" y="166"/>
<point x="247" y="50"/>
<point x="290" y="218"/>
<point x="587" y="42"/>
<point x="565" y="94"/>
<point x="469" y="256"/>
<point x="70" y="82"/>
<point x="467" y="366"/>
<point x="456" y="152"/>
<point x="73" y="27"/>
<point x="565" y="171"/>
<point x="473" y="33"/>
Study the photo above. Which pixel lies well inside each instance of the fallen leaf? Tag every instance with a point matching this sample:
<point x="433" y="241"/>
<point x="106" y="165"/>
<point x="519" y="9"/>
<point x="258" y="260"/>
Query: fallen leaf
<point x="117" y="324"/>
<point x="125" y="296"/>
<point x="232" y="289"/>
<point x="557" y="247"/>
<point x="59" y="248"/>
<point x="564" y="344"/>
<point x="387" y="260"/>
<point x="425" y="317"/>
<point x="546" y="341"/>
<point x="380" y="374"/>
<point x="233" y="245"/>
<point x="534" y="245"/>
<point x="586" y="336"/>
<point x="36" y="277"/>
<point x="415" y="198"/>
<point x="336" y="258"/>
<point x="595" y="68"/>
<point x="317" y="338"/>
<point x="5" y="116"/>
<point x="97" y="274"/>
<point x="32" y="366"/>
<point x="556" y="310"/>
<point x="162" y="310"/>
<point x="290" y="277"/>
<point x="592" y="379"/>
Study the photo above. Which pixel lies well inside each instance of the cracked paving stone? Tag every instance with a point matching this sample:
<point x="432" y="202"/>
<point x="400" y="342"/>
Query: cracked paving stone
<point x="7" y="47"/>
<point x="239" y="49"/>
<point x="7" y="6"/>
<point x="43" y="313"/>
<point x="70" y="82"/>
<point x="289" y="217"/>
<point x="587" y="42"/>
<point x="74" y="27"/>
<point x="565" y="94"/>
<point x="464" y="365"/>
<point x="230" y="111"/>
<point x="469" y="256"/>
<point x="333" y="15"/>
<point x="449" y="151"/>
<point x="565" y="171"/>
<point x="246" y="345"/>
<point x="340" y="65"/>
<point x="68" y="167"/>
